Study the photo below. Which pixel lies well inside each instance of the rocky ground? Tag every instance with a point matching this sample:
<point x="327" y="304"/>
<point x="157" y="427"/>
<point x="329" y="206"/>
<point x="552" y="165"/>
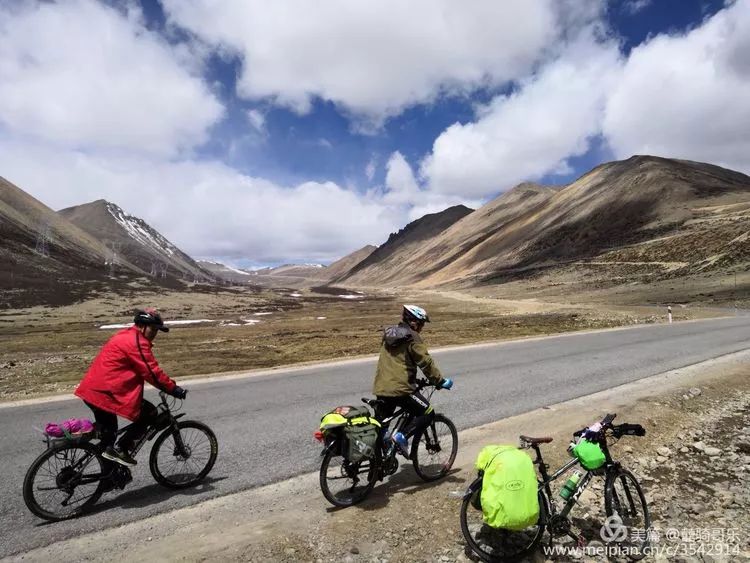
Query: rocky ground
<point x="694" y="469"/>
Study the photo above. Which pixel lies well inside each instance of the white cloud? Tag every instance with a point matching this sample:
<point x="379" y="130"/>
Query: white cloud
<point x="632" y="7"/>
<point x="403" y="190"/>
<point x="530" y="132"/>
<point x="400" y="181"/>
<point x="370" y="169"/>
<point x="208" y="208"/>
<point x="81" y="74"/>
<point x="257" y="120"/>
<point x="375" y="59"/>
<point x="687" y="96"/>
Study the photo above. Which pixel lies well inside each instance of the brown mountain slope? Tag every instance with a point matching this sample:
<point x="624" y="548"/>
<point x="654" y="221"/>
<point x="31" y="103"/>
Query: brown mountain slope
<point x="615" y="205"/>
<point x="417" y="262"/>
<point x="308" y="275"/>
<point x="385" y="265"/>
<point x="135" y="240"/>
<point x="341" y="266"/>
<point x="44" y="257"/>
<point x="644" y="208"/>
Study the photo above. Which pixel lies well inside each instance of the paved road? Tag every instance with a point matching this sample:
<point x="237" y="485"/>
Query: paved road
<point x="265" y="423"/>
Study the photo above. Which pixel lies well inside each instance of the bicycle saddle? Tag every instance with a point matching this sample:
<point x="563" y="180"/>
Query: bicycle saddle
<point x="530" y="440"/>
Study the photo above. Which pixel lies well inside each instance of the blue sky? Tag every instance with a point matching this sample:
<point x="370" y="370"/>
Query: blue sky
<point x="259" y="133"/>
<point x="321" y="145"/>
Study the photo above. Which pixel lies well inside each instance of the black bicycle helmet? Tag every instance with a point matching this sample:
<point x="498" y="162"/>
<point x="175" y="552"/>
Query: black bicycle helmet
<point x="150" y="317"/>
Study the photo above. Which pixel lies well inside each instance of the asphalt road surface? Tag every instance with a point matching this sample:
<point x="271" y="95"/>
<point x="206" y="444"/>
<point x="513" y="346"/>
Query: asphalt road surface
<point x="264" y="424"/>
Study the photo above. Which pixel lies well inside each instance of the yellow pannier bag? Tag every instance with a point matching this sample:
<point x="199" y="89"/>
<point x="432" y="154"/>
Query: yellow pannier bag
<point x="509" y="496"/>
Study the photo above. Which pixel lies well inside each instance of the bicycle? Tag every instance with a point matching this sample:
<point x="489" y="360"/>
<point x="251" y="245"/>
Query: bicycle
<point x="346" y="483"/>
<point x="71" y="475"/>
<point x="624" y="504"/>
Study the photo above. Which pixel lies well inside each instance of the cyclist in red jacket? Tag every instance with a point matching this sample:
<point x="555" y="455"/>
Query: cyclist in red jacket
<point x="113" y="385"/>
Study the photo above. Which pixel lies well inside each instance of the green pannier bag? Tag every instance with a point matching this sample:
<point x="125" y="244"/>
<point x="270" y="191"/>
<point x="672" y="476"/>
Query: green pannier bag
<point x="590" y="454"/>
<point x="509" y="497"/>
<point x="359" y="428"/>
<point x="361" y="441"/>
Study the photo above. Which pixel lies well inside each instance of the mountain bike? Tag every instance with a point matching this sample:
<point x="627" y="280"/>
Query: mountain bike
<point x="433" y="451"/>
<point x="628" y="520"/>
<point x="71" y="475"/>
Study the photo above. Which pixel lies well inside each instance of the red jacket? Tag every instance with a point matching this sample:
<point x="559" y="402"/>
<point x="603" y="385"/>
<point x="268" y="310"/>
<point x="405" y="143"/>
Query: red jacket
<point x="114" y="382"/>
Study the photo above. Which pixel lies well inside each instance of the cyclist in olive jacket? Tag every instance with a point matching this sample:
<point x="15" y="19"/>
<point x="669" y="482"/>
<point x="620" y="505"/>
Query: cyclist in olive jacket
<point x="401" y="353"/>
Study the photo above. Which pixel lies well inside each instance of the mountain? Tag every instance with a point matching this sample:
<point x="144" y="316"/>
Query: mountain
<point x="45" y="258"/>
<point x="291" y="275"/>
<point x="301" y="275"/>
<point x="644" y="209"/>
<point x="342" y="266"/>
<point x="135" y="240"/>
<point x="385" y="263"/>
<point x="222" y="271"/>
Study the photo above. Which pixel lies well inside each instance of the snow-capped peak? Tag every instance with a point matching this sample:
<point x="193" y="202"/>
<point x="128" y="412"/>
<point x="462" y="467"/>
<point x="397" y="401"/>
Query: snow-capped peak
<point x="139" y="230"/>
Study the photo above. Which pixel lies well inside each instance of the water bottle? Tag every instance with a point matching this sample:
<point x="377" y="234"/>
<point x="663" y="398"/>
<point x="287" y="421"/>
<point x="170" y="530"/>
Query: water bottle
<point x="388" y="443"/>
<point x="570" y="485"/>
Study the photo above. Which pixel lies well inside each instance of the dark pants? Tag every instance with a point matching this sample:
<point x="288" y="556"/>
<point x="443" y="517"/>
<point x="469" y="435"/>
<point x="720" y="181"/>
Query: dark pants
<point x="107" y="423"/>
<point x="415" y="404"/>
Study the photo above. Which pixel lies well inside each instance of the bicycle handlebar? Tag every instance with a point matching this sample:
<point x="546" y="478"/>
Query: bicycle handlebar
<point x="163" y="395"/>
<point x="618" y="431"/>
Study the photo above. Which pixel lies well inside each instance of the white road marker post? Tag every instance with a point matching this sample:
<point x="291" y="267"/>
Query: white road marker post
<point x="669" y="313"/>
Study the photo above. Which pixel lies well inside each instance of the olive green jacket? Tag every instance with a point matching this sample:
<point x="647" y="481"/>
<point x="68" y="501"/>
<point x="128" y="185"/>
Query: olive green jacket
<point x="401" y="352"/>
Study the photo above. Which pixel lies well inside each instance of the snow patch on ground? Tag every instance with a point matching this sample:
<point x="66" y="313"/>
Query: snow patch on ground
<point x="168" y="323"/>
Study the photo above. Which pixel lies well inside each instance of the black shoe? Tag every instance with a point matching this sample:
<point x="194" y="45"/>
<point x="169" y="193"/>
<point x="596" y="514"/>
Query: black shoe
<point x="121" y="457"/>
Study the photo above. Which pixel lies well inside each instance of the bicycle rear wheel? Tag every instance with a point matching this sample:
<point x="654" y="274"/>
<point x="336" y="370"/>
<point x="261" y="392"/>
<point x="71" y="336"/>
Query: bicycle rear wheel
<point x="344" y="483"/>
<point x="435" y="449"/>
<point x="64" y="481"/>
<point x="628" y="520"/>
<point x="494" y="545"/>
<point x="178" y="469"/>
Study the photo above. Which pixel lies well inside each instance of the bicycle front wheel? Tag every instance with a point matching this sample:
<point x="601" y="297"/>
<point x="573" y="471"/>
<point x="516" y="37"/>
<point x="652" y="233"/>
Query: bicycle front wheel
<point x="180" y="466"/>
<point x="64" y="481"/>
<point x="628" y="520"/>
<point x="435" y="449"/>
<point x="344" y="483"/>
<point x="495" y="545"/>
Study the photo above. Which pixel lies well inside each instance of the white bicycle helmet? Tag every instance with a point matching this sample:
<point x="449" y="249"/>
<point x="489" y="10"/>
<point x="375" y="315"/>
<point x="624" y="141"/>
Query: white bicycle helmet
<point x="415" y="313"/>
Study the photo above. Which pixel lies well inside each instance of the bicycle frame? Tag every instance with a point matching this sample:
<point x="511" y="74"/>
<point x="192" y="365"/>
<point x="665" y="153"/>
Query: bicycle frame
<point x="152" y="431"/>
<point x="546" y="480"/>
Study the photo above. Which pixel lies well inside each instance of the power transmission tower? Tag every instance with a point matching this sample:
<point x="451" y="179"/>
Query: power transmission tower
<point x="42" y="239"/>
<point x="162" y="270"/>
<point x="115" y="248"/>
